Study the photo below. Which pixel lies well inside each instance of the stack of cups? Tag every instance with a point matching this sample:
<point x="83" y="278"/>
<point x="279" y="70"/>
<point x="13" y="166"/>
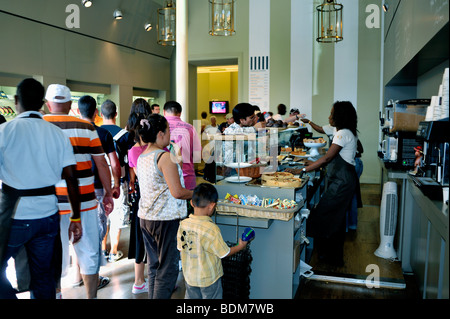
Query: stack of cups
<point x="444" y="96"/>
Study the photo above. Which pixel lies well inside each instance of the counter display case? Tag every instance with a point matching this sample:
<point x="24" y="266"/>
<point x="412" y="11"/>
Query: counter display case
<point x="279" y="245"/>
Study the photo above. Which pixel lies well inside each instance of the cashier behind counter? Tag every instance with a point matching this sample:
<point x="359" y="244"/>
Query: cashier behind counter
<point x="326" y="223"/>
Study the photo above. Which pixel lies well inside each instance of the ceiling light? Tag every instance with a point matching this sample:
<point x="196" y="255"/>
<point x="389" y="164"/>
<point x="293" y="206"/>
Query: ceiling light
<point x="148" y="26"/>
<point x="118" y="14"/>
<point x="87" y="3"/>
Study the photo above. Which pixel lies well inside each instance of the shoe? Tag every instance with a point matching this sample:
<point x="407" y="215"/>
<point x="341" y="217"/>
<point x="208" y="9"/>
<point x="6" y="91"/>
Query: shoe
<point x="102" y="282"/>
<point x="140" y="289"/>
<point x="115" y="257"/>
<point x="77" y="284"/>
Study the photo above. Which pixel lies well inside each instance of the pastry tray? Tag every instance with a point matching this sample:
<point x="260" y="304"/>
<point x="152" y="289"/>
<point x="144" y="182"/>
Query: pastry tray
<point x="257" y="182"/>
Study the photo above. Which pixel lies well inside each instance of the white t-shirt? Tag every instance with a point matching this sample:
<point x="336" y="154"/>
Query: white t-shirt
<point x="277" y="117"/>
<point x="33" y="153"/>
<point x="329" y="130"/>
<point x="347" y="141"/>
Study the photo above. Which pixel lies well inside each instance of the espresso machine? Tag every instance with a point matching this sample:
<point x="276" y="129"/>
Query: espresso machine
<point x="433" y="174"/>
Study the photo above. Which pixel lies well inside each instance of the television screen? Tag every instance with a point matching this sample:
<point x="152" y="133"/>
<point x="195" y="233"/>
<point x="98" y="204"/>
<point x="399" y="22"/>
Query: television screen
<point x="218" y="107"/>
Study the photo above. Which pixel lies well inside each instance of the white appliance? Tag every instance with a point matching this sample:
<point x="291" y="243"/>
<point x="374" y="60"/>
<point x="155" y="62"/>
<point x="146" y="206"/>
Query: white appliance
<point x="388" y="221"/>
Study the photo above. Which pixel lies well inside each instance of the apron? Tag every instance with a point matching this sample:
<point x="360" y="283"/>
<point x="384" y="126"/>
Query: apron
<point x="328" y="217"/>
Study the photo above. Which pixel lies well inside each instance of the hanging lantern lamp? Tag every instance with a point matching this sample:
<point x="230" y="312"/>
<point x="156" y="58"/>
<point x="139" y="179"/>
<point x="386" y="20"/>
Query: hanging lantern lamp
<point x="221" y="20"/>
<point x="329" y="22"/>
<point x="166" y="25"/>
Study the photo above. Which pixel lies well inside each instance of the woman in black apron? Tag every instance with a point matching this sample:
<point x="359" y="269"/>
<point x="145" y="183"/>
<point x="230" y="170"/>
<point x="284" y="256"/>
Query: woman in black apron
<point x="326" y="223"/>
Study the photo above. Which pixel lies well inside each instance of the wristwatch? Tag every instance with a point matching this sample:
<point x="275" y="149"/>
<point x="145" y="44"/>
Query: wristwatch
<point x="303" y="171"/>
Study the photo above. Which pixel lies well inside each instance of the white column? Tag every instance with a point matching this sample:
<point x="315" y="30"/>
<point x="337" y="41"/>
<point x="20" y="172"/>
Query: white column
<point x="182" y="71"/>
<point x="259" y="53"/>
<point x="346" y="56"/>
<point x="302" y="40"/>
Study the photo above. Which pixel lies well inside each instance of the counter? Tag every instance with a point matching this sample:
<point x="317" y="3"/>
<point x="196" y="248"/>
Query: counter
<point x="278" y="246"/>
<point x="425" y="242"/>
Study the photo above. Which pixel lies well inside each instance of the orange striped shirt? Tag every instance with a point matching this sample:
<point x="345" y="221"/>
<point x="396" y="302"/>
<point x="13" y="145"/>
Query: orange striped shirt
<point x="85" y="143"/>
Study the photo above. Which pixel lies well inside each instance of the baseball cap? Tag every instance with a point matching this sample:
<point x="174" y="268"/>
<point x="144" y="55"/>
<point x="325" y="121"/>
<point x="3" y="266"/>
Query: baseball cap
<point x="58" y="93"/>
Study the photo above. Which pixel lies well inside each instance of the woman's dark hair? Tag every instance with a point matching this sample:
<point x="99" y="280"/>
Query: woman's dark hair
<point x="242" y="111"/>
<point x="140" y="109"/>
<point x="204" y="194"/>
<point x="149" y="130"/>
<point x="345" y="117"/>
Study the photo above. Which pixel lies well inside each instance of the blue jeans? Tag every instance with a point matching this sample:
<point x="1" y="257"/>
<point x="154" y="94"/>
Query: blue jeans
<point x="211" y="292"/>
<point x="352" y="214"/>
<point x="38" y="237"/>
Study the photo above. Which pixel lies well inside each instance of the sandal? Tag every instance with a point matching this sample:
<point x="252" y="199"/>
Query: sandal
<point x="102" y="282"/>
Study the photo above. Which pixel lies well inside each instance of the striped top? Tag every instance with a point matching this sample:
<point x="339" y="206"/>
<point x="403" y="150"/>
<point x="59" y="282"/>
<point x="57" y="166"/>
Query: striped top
<point x="86" y="143"/>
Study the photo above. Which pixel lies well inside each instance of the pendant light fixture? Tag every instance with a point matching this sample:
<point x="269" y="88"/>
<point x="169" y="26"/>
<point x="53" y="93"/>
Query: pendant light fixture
<point x="166" y="25"/>
<point x="221" y="19"/>
<point x="329" y="22"/>
<point x="118" y="14"/>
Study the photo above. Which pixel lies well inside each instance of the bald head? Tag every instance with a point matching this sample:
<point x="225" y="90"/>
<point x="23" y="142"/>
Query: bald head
<point x="59" y="108"/>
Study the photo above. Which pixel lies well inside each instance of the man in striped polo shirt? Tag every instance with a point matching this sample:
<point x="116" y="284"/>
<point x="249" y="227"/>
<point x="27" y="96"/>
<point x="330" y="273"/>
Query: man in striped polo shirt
<point x="86" y="144"/>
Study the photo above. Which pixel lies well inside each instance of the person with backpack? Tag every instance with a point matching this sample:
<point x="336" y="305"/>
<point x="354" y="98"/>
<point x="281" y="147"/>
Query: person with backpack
<point x="119" y="218"/>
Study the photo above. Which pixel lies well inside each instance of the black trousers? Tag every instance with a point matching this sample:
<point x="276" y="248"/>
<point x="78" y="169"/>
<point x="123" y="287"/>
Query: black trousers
<point x="160" y="239"/>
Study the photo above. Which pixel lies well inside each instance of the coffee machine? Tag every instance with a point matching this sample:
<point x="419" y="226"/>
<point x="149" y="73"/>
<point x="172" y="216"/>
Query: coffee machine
<point x="433" y="175"/>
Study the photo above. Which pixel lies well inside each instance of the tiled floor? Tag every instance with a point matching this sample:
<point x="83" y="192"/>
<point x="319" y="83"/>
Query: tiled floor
<point x="121" y="273"/>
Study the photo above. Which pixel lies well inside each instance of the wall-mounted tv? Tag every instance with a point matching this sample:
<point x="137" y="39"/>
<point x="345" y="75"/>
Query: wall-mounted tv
<point x="218" y="107"/>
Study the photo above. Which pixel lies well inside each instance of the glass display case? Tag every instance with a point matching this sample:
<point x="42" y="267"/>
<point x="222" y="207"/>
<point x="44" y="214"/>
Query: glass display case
<point x="243" y="157"/>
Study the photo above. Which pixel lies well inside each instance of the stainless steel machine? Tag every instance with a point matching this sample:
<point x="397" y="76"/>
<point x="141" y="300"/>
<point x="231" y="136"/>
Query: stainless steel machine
<point x="433" y="175"/>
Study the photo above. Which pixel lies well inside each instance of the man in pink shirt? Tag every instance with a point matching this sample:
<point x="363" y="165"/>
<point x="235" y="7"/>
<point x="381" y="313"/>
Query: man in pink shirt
<point x="186" y="138"/>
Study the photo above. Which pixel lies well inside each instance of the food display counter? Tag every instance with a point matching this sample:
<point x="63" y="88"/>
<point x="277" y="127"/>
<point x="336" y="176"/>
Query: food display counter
<point x="279" y="247"/>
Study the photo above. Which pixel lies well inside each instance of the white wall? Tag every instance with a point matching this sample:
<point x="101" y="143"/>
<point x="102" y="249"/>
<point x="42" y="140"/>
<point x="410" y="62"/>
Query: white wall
<point x="33" y="46"/>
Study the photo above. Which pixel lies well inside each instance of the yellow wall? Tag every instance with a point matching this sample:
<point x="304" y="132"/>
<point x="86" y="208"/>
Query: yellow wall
<point x="216" y="86"/>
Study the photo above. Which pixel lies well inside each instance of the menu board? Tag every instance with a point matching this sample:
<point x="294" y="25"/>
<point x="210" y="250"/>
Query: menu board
<point x="259" y="87"/>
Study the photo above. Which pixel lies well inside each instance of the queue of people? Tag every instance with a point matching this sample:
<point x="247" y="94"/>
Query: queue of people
<point x="71" y="183"/>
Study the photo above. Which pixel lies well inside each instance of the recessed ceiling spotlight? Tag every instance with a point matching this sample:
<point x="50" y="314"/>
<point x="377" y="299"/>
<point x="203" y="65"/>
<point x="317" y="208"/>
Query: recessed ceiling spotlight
<point x="148" y="26"/>
<point x="118" y="14"/>
<point x="87" y="3"/>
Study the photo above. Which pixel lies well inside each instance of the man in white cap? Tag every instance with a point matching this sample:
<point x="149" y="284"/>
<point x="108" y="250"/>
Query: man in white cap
<point x="33" y="156"/>
<point x="86" y="145"/>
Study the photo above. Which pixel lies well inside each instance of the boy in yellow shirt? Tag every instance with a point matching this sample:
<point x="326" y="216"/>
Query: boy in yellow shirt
<point x="202" y="247"/>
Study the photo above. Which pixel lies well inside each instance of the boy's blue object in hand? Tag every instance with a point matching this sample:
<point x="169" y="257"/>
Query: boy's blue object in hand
<point x="248" y="234"/>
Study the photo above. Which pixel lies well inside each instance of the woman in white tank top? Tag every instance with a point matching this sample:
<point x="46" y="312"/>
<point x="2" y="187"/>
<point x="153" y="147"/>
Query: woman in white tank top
<point x="161" y="207"/>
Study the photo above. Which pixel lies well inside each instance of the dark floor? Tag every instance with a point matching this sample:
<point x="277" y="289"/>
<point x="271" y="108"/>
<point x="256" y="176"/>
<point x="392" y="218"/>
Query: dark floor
<point x="359" y="248"/>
